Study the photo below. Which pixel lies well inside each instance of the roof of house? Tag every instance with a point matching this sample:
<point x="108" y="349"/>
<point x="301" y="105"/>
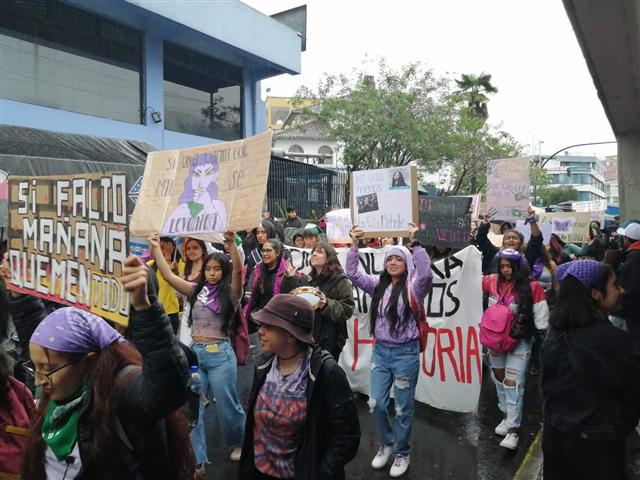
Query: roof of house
<point x="313" y="130"/>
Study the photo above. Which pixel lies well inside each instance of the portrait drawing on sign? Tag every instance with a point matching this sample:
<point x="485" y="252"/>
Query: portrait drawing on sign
<point x="199" y="208"/>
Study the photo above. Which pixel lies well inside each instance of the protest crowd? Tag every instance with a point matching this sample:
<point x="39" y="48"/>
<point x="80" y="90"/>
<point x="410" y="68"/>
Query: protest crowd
<point x="86" y="397"/>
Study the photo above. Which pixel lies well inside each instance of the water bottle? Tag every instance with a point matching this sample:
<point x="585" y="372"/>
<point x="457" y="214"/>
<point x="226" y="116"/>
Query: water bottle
<point x="195" y="384"/>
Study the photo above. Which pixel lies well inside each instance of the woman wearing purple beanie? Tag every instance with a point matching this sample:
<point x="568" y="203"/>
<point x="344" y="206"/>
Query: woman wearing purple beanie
<point x="590" y="378"/>
<point x="109" y="409"/>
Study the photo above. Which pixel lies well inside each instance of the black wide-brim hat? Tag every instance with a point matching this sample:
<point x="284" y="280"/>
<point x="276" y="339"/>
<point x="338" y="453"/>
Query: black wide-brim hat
<point x="291" y="313"/>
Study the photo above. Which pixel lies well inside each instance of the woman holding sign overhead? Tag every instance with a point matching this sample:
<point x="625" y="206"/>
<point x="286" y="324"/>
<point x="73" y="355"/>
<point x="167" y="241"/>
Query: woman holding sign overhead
<point x="397" y="302"/>
<point x="213" y="300"/>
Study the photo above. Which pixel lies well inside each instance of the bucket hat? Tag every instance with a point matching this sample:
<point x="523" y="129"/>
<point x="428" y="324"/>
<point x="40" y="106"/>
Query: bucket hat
<point x="291" y="313"/>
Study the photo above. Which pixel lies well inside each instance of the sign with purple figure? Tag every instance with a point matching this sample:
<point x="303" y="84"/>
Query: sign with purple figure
<point x="203" y="191"/>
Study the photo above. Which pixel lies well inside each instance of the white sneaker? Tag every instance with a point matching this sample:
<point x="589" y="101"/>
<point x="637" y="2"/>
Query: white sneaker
<point x="236" y="453"/>
<point x="510" y="441"/>
<point x="382" y="457"/>
<point x="400" y="465"/>
<point x="502" y="428"/>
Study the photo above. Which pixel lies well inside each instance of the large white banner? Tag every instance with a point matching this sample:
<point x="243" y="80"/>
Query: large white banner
<point x="451" y="366"/>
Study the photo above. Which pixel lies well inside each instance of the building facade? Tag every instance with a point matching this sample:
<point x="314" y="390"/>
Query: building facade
<point x="170" y="73"/>
<point x="584" y="173"/>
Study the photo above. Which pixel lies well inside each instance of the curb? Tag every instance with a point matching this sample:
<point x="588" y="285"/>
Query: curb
<point x="531" y="466"/>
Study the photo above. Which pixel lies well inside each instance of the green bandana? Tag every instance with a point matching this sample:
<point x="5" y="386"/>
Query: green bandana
<point x="60" y="426"/>
<point x="195" y="208"/>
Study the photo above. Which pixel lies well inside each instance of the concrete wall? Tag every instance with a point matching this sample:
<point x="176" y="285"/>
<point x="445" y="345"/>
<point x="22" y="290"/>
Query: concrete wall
<point x="629" y="176"/>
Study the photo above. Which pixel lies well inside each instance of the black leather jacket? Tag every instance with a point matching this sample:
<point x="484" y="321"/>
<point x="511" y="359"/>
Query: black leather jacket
<point x="331" y="432"/>
<point x="154" y="392"/>
<point x="591" y="382"/>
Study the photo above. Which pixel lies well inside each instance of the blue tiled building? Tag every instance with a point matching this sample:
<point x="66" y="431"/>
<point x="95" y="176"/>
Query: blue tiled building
<point x="167" y="72"/>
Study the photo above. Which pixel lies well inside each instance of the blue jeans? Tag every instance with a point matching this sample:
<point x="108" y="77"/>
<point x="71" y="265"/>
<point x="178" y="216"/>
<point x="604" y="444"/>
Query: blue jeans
<point x="398" y="367"/>
<point x="514" y="363"/>
<point x="218" y="372"/>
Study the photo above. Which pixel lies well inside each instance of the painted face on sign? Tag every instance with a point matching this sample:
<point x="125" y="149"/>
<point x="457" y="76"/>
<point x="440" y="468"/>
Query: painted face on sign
<point x="203" y="176"/>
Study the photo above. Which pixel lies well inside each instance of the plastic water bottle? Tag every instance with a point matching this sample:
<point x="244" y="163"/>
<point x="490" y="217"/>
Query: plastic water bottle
<point x="195" y="384"/>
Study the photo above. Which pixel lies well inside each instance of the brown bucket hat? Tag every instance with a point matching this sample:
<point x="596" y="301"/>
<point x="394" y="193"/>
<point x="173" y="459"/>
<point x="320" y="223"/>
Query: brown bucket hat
<point x="291" y="313"/>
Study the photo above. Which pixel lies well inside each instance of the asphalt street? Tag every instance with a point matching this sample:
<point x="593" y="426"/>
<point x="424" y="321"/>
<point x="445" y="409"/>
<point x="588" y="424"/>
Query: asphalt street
<point x="445" y="445"/>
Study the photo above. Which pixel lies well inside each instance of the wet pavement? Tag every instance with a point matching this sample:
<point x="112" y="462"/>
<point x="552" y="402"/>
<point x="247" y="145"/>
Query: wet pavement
<point x="445" y="445"/>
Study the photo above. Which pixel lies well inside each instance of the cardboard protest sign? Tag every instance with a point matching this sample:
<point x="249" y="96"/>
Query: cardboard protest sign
<point x="68" y="240"/>
<point x="545" y="228"/>
<point x="451" y="366"/>
<point x="338" y="225"/>
<point x="384" y="201"/>
<point x="201" y="192"/>
<point x="572" y="227"/>
<point x="444" y="221"/>
<point x="595" y="208"/>
<point x="508" y="188"/>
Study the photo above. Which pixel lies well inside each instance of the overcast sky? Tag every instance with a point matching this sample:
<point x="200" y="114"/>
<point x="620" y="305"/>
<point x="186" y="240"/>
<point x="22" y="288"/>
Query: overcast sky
<point x="545" y="90"/>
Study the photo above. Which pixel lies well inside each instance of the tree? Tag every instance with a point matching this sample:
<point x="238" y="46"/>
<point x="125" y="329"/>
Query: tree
<point x="556" y="195"/>
<point x="393" y="118"/>
<point x="474" y="89"/>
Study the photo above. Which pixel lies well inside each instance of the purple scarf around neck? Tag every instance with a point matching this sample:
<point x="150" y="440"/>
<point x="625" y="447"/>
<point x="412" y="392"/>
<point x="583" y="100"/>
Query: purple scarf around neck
<point x="210" y="296"/>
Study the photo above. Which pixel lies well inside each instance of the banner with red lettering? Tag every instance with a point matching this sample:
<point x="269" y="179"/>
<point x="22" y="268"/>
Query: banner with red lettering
<point x="451" y="366"/>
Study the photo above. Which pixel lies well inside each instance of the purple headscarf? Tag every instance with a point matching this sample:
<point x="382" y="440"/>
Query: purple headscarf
<point x="212" y="189"/>
<point x="73" y="330"/>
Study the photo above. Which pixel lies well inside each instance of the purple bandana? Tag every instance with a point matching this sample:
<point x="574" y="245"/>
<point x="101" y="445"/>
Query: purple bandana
<point x="73" y="330"/>
<point x="210" y="296"/>
<point x="512" y="254"/>
<point x="588" y="272"/>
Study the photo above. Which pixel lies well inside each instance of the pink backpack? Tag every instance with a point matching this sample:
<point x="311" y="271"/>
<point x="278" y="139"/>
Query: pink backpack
<point x="495" y="327"/>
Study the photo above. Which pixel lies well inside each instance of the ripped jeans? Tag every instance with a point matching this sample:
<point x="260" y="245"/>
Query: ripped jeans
<point x="514" y="363"/>
<point x="398" y="367"/>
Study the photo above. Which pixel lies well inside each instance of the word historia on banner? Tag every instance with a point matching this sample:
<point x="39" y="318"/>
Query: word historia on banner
<point x="508" y="189"/>
<point x="384" y="201"/>
<point x="68" y="240"/>
<point x="450" y="375"/>
<point x="203" y="191"/>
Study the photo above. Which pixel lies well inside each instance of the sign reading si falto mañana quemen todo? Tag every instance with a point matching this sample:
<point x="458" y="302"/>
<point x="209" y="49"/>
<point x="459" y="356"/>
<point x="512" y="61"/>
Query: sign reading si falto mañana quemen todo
<point x="68" y="240"/>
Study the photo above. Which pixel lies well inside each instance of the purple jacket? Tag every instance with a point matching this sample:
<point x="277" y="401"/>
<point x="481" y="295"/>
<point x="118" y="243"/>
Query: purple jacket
<point x="419" y="275"/>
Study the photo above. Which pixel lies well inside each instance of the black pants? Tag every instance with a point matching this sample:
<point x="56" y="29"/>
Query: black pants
<point x="570" y="457"/>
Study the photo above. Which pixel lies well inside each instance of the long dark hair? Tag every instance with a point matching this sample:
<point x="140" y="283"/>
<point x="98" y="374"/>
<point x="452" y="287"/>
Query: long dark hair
<point x="188" y="264"/>
<point x="332" y="265"/>
<point x="101" y="412"/>
<point x="522" y="288"/>
<point x="575" y="307"/>
<point x="398" y="290"/>
<point x="226" y="306"/>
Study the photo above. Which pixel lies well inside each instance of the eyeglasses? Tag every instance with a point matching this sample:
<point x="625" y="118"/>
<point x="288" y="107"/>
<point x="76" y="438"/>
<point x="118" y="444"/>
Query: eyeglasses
<point x="30" y="368"/>
<point x="267" y="250"/>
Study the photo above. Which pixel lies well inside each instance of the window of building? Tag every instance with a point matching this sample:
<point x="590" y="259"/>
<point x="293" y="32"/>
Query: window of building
<point x="61" y="57"/>
<point x="296" y="149"/>
<point x="202" y="95"/>
<point x="328" y="152"/>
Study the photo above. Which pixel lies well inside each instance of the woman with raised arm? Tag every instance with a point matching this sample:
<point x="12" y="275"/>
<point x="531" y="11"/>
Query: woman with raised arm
<point x="397" y="298"/>
<point x="110" y="408"/>
<point x="214" y="300"/>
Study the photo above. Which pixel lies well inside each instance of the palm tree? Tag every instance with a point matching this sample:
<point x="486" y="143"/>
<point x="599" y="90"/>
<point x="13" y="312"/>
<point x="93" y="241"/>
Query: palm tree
<point x="474" y="89"/>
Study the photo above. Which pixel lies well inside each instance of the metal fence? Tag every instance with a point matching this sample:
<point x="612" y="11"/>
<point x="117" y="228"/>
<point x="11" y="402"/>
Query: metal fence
<point x="310" y="189"/>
